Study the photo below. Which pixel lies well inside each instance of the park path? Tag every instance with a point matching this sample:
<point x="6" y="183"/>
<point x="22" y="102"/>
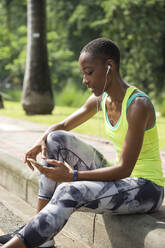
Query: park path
<point x="17" y="136"/>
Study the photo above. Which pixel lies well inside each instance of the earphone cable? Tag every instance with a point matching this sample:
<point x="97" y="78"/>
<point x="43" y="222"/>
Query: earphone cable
<point x="99" y="126"/>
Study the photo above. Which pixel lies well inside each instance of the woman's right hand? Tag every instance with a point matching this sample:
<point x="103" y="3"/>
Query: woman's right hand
<point x="34" y="151"/>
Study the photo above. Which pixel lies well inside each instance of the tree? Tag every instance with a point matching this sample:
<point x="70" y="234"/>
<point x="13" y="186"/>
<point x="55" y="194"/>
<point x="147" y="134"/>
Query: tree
<point x="37" y="95"/>
<point x="1" y="102"/>
<point x="13" y="32"/>
<point x="138" y="29"/>
<point x="136" y="26"/>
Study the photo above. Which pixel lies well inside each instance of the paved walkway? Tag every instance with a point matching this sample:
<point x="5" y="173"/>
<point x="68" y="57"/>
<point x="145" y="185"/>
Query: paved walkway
<point x="17" y="136"/>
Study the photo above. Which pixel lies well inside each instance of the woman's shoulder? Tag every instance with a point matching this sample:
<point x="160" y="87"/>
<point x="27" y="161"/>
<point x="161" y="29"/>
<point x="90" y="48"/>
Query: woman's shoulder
<point x="140" y="106"/>
<point x="140" y="99"/>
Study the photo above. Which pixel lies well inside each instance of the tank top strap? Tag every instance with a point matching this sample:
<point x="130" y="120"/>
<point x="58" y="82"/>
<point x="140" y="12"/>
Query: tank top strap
<point x="131" y="98"/>
<point x="128" y="93"/>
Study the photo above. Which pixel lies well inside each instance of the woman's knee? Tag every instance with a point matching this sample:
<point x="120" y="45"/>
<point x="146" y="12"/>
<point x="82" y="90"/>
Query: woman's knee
<point x="55" y="140"/>
<point x="67" y="194"/>
<point x="57" y="135"/>
<point x="63" y="188"/>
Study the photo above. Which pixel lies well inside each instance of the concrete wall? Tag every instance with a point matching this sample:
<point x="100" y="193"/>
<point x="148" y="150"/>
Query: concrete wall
<point x="133" y="231"/>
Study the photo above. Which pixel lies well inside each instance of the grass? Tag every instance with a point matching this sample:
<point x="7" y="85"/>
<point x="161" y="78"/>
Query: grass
<point x="15" y="110"/>
<point x="161" y="126"/>
<point x="95" y="126"/>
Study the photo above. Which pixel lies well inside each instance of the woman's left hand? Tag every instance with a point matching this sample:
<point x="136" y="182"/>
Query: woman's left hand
<point x="62" y="172"/>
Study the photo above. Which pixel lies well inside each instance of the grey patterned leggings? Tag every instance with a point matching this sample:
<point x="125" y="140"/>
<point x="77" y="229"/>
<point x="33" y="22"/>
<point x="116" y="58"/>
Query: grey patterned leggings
<point x="126" y="196"/>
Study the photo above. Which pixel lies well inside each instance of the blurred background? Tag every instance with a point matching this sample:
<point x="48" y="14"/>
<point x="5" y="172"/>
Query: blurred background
<point x="137" y="26"/>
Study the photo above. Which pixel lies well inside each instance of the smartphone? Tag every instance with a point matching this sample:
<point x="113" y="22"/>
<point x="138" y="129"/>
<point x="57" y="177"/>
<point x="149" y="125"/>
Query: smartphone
<point x="67" y="165"/>
<point x="33" y="161"/>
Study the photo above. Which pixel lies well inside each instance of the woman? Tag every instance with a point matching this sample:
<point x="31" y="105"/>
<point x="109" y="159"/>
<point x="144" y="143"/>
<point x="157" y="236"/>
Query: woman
<point x="133" y="185"/>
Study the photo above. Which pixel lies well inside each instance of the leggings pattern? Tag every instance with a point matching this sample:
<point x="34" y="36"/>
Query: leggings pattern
<point x="126" y="196"/>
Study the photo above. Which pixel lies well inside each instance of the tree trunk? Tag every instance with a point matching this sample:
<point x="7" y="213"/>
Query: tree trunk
<point x="37" y="95"/>
<point x="1" y="102"/>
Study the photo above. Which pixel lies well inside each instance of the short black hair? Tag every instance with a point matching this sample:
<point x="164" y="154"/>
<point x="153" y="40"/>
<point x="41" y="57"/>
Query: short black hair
<point x="104" y="49"/>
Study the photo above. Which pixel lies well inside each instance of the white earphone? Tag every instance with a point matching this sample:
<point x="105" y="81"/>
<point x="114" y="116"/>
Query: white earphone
<point x="109" y="67"/>
<point x="106" y="75"/>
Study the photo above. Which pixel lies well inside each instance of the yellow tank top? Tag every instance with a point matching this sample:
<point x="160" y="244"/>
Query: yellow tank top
<point x="148" y="165"/>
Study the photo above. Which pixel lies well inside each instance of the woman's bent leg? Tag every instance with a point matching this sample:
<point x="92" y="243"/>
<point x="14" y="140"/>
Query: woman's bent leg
<point x="125" y="196"/>
<point x="64" y="146"/>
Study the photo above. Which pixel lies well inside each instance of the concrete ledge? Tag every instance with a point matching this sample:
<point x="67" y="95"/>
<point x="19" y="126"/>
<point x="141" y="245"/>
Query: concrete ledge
<point x="135" y="231"/>
<point x="18" y="178"/>
<point x="132" y="231"/>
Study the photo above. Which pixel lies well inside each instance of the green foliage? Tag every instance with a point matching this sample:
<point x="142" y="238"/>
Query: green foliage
<point x="162" y="108"/>
<point x="71" y="96"/>
<point x="62" y="65"/>
<point x="137" y="26"/>
<point x="12" y="95"/>
<point x="160" y="103"/>
<point x="13" y="41"/>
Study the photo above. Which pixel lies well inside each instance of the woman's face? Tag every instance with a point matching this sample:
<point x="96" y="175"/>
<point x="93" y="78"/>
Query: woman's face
<point x="94" y="73"/>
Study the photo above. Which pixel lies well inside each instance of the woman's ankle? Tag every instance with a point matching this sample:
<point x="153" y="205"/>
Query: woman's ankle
<point x="15" y="242"/>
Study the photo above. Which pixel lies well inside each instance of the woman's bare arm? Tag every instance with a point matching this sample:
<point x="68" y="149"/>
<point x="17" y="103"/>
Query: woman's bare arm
<point x="74" y="120"/>
<point x="139" y="116"/>
<point x="78" y="117"/>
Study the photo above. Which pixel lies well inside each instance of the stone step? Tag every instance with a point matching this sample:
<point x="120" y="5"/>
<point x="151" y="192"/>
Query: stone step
<point x="15" y="212"/>
<point x="135" y="231"/>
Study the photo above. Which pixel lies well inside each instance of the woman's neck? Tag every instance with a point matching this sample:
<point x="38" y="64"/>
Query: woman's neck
<point x="117" y="89"/>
